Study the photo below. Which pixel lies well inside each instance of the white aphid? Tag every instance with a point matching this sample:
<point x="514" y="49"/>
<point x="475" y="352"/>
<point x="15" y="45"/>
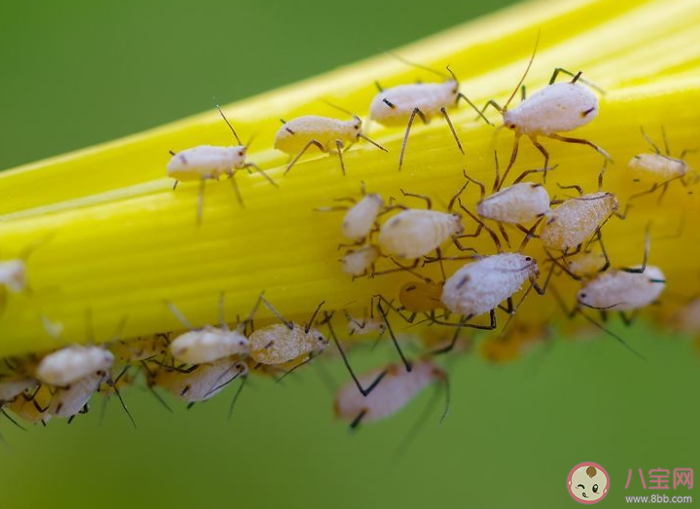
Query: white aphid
<point x="329" y="135"/>
<point x="393" y="106"/>
<point x="480" y="286"/>
<point x="278" y="344"/>
<point x="13" y="275"/>
<point x="367" y="325"/>
<point x="201" y="383"/>
<point x="70" y="399"/>
<point x="520" y="203"/>
<point x="206" y="162"/>
<point x="10" y="388"/>
<point x="658" y="165"/>
<point x="687" y="318"/>
<point x="619" y="290"/>
<point x="360" y="218"/>
<point x="413" y="233"/>
<point x="65" y="366"/>
<point x="576" y="220"/>
<point x="359" y="261"/>
<point x="558" y="107"/>
<point x="139" y="349"/>
<point x="208" y="344"/>
<point x="396" y="390"/>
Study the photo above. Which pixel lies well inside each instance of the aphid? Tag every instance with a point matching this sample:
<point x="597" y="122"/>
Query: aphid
<point x="329" y="135"/>
<point x="558" y="107"/>
<point x="206" y="162"/>
<point x="660" y="165"/>
<point x="208" y="343"/>
<point x="413" y="233"/>
<point x="417" y="297"/>
<point x="70" y="364"/>
<point x="286" y="345"/>
<point x="201" y="382"/>
<point x="361" y="218"/>
<point x="397" y="389"/>
<point x="12" y="387"/>
<point x="33" y="407"/>
<point x="368" y="325"/>
<point x="73" y="399"/>
<point x="398" y="106"/>
<point x="576" y="220"/>
<point x="140" y="349"/>
<point x="360" y="262"/>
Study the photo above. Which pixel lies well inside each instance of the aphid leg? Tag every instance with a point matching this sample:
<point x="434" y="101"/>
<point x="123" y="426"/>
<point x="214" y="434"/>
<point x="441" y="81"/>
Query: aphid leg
<point x="651" y="143"/>
<point x="464" y="323"/>
<point x="200" y="201"/>
<point x="422" y="116"/>
<point x="294" y="368"/>
<point x="398" y="311"/>
<point x="427" y="199"/>
<point x="357" y="420"/>
<point x="406" y="363"/>
<point x="339" y="146"/>
<point x="627" y="320"/>
<point x="232" y="406"/>
<point x="529" y="234"/>
<point x="364" y="391"/>
<point x="502" y="229"/>
<point x="399" y="268"/>
<point x="647" y="247"/>
<point x="575" y="77"/>
<point x="528" y="172"/>
<point x="294" y="161"/>
<point x="513" y="157"/>
<point x="443" y="110"/>
<point x="578" y="188"/>
<point x="289" y="324"/>
<point x="541" y="148"/>
<point x="481" y="226"/>
<point x="222" y="313"/>
<point x="595" y="147"/>
<point x="482" y="189"/>
<point x="491" y="103"/>
<point x="9" y="418"/>
<point x="523" y="93"/>
<point x="234" y="185"/>
<point x="368" y="139"/>
<point x="313" y="317"/>
<point x="474" y="107"/>
<point x="379" y="87"/>
<point x="113" y="385"/>
<point x="262" y="172"/>
<point x="175" y="311"/>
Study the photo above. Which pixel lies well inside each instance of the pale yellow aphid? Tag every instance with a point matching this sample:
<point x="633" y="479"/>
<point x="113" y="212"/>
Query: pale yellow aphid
<point x="70" y="364"/>
<point x="586" y="265"/>
<point x="576" y="220"/>
<point x="207" y="162"/>
<point x="329" y="135"/>
<point x="286" y="344"/>
<point x="33" y="407"/>
<point x="207" y="344"/>
<point x="400" y="105"/>
<point x="397" y="388"/>
<point x="413" y="233"/>
<point x="200" y="382"/>
<point x="140" y="349"/>
<point x="360" y="262"/>
<point x="558" y="107"/>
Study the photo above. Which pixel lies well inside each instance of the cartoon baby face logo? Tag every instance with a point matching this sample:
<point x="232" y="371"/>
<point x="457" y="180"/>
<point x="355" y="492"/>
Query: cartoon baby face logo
<point x="588" y="483"/>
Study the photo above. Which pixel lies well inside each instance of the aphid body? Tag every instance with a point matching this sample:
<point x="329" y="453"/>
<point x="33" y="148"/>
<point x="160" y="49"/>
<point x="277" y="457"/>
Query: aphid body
<point x="360" y="218"/>
<point x="659" y="165"/>
<point x="10" y="388"/>
<point x="576" y="220"/>
<point x="34" y="409"/>
<point x="367" y="325"/>
<point x="620" y="290"/>
<point x="208" y="344"/>
<point x="421" y="296"/>
<point x="70" y="399"/>
<point x="520" y="203"/>
<point x="139" y="349"/>
<point x="394" y="106"/>
<point x="395" y="391"/>
<point x="413" y="233"/>
<point x="70" y="364"/>
<point x="296" y="134"/>
<point x="206" y="162"/>
<point x="359" y="261"/>
<point x="480" y="286"/>
<point x="280" y="344"/>
<point x="201" y="383"/>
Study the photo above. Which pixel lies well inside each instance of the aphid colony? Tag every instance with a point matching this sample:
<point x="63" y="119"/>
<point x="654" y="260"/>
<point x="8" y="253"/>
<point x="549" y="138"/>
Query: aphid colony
<point x="443" y="282"/>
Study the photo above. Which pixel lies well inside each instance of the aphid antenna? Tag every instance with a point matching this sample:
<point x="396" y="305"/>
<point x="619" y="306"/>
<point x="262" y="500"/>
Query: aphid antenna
<point x="340" y="108"/>
<point x="401" y="59"/>
<point x="647" y="248"/>
<point x="232" y="406"/>
<point x="121" y="400"/>
<point x="522" y="79"/>
<point x="12" y="420"/>
<point x="159" y="398"/>
<point x="176" y="312"/>
<point x="216" y="386"/>
<point x="364" y="391"/>
<point x="222" y="311"/>
<point x="235" y="134"/>
<point x="290" y="371"/>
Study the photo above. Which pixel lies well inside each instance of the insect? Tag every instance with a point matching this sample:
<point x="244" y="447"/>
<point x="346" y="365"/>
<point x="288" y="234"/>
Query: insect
<point x="68" y="365"/>
<point x="208" y="343"/>
<point x="329" y="135"/>
<point x="400" y="105"/>
<point x="360" y="219"/>
<point x="286" y="345"/>
<point x="481" y="286"/>
<point x="33" y="407"/>
<point x="360" y="262"/>
<point x="13" y="272"/>
<point x="207" y="162"/>
<point x="660" y="165"/>
<point x="368" y="325"/>
<point x="397" y="389"/>
<point x="558" y="107"/>
<point x="12" y="387"/>
<point x="140" y="349"/>
<point x="202" y="381"/>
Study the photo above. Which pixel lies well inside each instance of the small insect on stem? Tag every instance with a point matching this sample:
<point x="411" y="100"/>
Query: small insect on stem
<point x="660" y="165"/>
<point x="400" y="105"/>
<point x="329" y="135"/>
<point x="397" y="389"/>
<point x="207" y="162"/>
<point x="558" y="107"/>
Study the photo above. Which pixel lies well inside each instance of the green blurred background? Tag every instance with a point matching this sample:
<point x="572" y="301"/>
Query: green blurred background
<point x="77" y="73"/>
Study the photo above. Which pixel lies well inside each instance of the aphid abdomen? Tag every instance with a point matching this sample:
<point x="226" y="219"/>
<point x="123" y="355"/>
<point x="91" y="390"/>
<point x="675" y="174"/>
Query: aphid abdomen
<point x="659" y="166"/>
<point x="10" y="388"/>
<point x="69" y="401"/>
<point x="521" y="203"/>
<point x="480" y="286"/>
<point x="360" y="218"/>
<point x="556" y="108"/>
<point x="396" y="390"/>
<point x="294" y="135"/>
<point x="414" y="233"/>
<point x="575" y="220"/>
<point x="359" y="261"/>
<point x="278" y="344"/>
<point x="204" y="161"/>
<point x="618" y="290"/>
<point x="72" y="363"/>
<point x="208" y="345"/>
<point x="27" y="409"/>
<point x="393" y="106"/>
